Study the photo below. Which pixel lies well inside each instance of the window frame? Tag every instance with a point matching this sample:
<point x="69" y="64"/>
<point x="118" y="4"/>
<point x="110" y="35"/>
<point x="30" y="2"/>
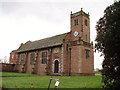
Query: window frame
<point x="76" y="22"/>
<point x="86" y="22"/>
<point x="87" y="53"/>
<point x="22" y="58"/>
<point x="44" y="57"/>
<point x="32" y="58"/>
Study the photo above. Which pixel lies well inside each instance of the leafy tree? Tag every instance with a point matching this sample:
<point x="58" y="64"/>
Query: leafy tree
<point x="108" y="42"/>
<point x="5" y="59"/>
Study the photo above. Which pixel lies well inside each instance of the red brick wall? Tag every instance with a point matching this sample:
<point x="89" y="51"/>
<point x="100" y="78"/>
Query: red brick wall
<point x="38" y="67"/>
<point x="13" y="57"/>
<point x="8" y="67"/>
<point x="75" y="62"/>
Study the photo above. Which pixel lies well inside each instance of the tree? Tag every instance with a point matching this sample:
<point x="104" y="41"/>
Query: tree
<point x="108" y="42"/>
<point x="5" y="59"/>
<point x="0" y="61"/>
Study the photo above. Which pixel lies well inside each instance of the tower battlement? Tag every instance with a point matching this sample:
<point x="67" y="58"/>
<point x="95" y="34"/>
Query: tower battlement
<point x="81" y="12"/>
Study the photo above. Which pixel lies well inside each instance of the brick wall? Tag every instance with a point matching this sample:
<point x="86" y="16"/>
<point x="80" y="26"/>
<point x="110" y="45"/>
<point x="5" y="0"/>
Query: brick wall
<point x="13" y="57"/>
<point x="8" y="67"/>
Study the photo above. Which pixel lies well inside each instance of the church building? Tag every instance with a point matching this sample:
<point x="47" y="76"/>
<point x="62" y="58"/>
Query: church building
<point x="68" y="54"/>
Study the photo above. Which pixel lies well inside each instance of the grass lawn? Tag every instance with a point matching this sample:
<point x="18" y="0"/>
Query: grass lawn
<point x="21" y="80"/>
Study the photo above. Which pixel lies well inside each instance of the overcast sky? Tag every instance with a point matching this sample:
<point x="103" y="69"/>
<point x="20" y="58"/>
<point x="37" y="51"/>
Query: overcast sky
<point x="24" y="20"/>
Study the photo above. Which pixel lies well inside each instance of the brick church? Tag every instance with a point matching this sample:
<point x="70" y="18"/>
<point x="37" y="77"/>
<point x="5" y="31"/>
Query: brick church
<point x="65" y="54"/>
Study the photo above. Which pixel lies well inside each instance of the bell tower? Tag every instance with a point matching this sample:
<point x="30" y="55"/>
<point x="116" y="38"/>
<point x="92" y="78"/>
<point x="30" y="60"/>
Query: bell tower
<point x="79" y="54"/>
<point x="80" y="26"/>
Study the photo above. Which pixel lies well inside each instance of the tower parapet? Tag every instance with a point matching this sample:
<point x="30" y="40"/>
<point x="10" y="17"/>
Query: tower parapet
<point x="81" y="12"/>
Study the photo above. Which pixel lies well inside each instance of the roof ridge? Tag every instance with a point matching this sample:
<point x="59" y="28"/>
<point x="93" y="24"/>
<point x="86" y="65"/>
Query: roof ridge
<point x="48" y="37"/>
<point x="43" y="43"/>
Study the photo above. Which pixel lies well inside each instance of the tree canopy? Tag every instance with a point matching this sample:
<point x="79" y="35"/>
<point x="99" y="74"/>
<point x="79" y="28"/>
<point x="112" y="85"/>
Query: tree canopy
<point x="108" y="42"/>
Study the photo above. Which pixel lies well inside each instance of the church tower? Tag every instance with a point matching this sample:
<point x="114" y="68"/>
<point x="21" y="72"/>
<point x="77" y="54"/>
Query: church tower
<point x="80" y="55"/>
<point x="80" y="26"/>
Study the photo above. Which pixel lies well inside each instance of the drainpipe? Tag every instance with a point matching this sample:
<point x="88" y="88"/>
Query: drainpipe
<point x="70" y="62"/>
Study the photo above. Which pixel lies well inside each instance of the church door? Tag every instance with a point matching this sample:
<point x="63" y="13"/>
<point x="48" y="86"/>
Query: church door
<point x="56" y="66"/>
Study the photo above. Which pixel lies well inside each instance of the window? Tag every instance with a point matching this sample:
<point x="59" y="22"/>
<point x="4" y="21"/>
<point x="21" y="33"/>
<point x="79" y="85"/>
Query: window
<point x="73" y="43"/>
<point x="32" y="58"/>
<point x="22" y="58"/>
<point x="87" y="53"/>
<point x="86" y="36"/>
<point x="44" y="57"/>
<point x="67" y="47"/>
<point x="86" y="22"/>
<point x="12" y="56"/>
<point x="76" y="22"/>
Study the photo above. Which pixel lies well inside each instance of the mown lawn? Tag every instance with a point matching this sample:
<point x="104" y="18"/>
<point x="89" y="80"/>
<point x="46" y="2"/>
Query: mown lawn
<point x="20" y="80"/>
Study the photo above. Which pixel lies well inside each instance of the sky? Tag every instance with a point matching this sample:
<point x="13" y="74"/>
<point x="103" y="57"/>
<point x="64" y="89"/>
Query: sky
<point x="24" y="20"/>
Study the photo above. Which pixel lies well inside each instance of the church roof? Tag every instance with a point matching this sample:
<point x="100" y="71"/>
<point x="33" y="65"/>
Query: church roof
<point x="43" y="43"/>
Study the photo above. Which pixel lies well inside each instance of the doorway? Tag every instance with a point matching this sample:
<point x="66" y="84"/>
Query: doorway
<point x="56" y="66"/>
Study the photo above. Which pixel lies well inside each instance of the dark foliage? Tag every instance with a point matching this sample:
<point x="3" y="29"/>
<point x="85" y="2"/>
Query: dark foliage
<point x="108" y="42"/>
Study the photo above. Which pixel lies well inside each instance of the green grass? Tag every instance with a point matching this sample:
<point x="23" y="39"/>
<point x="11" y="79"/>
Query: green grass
<point x="36" y="81"/>
<point x="17" y="74"/>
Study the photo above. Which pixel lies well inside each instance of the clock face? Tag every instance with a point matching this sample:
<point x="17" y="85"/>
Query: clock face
<point x="75" y="33"/>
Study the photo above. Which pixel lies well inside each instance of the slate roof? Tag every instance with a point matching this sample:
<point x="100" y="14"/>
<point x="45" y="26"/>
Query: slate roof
<point x="43" y="43"/>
